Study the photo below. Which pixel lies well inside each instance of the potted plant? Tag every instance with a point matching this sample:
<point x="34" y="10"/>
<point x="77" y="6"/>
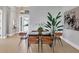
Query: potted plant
<point x="53" y="25"/>
<point x="40" y="30"/>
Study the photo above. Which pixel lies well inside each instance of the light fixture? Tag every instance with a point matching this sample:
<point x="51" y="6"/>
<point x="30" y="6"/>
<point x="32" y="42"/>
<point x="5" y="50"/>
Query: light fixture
<point x="22" y="12"/>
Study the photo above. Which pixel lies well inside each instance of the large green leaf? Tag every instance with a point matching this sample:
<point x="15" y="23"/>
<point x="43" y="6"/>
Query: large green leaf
<point x="60" y="29"/>
<point x="49" y="15"/>
<point x="47" y="29"/>
<point x="47" y="26"/>
<point x="53" y="22"/>
<point x="58" y="16"/>
<point x="48" y="23"/>
<point x="58" y="23"/>
<point x="59" y="26"/>
<point x="59" y="13"/>
<point x="49" y="18"/>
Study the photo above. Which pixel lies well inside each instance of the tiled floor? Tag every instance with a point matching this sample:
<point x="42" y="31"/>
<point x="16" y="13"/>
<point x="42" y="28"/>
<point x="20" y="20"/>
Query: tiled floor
<point x="11" y="45"/>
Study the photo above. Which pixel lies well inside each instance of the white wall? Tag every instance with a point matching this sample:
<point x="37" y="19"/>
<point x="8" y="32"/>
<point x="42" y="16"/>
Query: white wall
<point x="71" y="36"/>
<point x="12" y="17"/>
<point x="66" y="8"/>
<point x="4" y="19"/>
<point x="8" y="15"/>
<point x="1" y="22"/>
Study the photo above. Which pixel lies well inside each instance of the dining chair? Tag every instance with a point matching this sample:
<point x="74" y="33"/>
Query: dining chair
<point x="40" y="40"/>
<point x="48" y="40"/>
<point x="23" y="36"/>
<point x="33" y="39"/>
<point x="57" y="37"/>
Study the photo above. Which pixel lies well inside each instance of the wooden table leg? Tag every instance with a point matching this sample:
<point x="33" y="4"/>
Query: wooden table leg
<point x="38" y="45"/>
<point x="41" y="46"/>
<point x="28" y="46"/>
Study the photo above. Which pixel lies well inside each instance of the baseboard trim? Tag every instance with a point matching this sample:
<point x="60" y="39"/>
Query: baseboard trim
<point x="3" y="37"/>
<point x="11" y="34"/>
<point x="70" y="43"/>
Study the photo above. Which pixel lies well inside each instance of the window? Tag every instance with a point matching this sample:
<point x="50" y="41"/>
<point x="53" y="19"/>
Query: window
<point x="24" y="23"/>
<point x="0" y="23"/>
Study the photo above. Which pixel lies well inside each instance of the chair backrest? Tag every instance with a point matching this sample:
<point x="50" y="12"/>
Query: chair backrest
<point x="22" y="34"/>
<point x="47" y="40"/>
<point x="33" y="39"/>
<point x="58" y="34"/>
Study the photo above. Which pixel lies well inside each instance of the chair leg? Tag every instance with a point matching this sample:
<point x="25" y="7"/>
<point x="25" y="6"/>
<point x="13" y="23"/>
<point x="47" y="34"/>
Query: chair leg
<point x="53" y="46"/>
<point x="38" y="46"/>
<point x="20" y="42"/>
<point x="61" y="42"/>
<point x="28" y="48"/>
<point x="27" y="44"/>
<point x="54" y="43"/>
<point x="53" y="50"/>
<point x="41" y="46"/>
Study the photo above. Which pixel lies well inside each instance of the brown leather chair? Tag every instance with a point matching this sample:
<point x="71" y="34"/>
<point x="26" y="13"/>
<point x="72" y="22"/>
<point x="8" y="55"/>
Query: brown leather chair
<point x="33" y="40"/>
<point x="47" y="40"/>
